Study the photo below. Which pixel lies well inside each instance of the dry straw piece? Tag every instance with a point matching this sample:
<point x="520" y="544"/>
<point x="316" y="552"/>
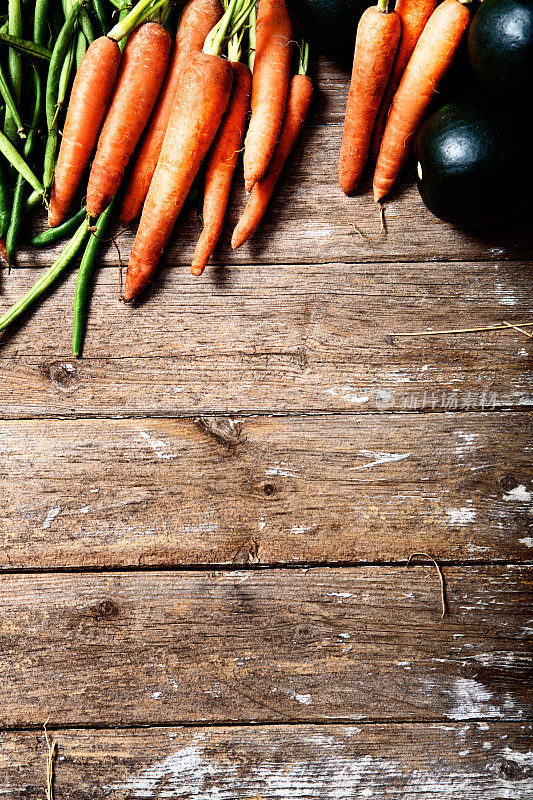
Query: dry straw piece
<point x="441" y="578"/>
<point x="50" y="759"/>
<point x="496" y="327"/>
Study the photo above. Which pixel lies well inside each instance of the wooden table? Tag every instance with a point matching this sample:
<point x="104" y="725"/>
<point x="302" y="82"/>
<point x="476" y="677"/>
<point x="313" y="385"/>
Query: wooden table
<point x="206" y="520"/>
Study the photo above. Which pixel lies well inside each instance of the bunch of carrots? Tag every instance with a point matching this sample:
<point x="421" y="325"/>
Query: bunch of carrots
<point x="143" y="119"/>
<point x="400" y="58"/>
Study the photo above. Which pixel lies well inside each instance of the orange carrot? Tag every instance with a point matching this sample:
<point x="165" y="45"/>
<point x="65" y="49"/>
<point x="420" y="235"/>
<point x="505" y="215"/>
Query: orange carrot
<point x="431" y="58"/>
<point x="221" y="165"/>
<point x="269" y="88"/>
<point x="378" y="34"/>
<point x="89" y="101"/>
<point x="143" y="67"/>
<point x="298" y="102"/>
<point x="205" y="87"/>
<point x="414" y="14"/>
<point x="197" y="19"/>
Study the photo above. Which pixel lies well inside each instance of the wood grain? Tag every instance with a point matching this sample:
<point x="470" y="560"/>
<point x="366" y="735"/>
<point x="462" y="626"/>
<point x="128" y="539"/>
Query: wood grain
<point x="344" y="645"/>
<point x="278" y="338"/>
<point x="476" y="761"/>
<point x="118" y="493"/>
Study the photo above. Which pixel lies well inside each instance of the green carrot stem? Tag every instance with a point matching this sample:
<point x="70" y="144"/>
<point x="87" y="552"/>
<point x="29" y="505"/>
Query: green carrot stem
<point x="48" y="279"/>
<point x="126" y="25"/>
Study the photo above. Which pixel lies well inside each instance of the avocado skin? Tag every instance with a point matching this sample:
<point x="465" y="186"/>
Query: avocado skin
<point x="330" y="24"/>
<point x="475" y="162"/>
<point x="500" y="48"/>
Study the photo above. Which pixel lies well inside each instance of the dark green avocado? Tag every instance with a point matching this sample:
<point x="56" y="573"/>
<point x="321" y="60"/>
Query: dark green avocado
<point x="330" y="24"/>
<point x="500" y="48"/>
<point x="474" y="163"/>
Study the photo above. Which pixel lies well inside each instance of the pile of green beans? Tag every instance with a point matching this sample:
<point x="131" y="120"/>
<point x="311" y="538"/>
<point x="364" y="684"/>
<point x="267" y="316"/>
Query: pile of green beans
<point x="42" y="43"/>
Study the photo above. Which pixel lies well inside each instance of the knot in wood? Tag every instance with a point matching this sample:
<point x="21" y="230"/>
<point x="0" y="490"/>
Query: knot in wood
<point x="223" y="429"/>
<point x="469" y="670"/>
<point x="106" y="609"/>
<point x="63" y="375"/>
<point x="269" y="489"/>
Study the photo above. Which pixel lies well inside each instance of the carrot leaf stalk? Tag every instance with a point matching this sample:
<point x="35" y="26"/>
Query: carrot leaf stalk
<point x="131" y="21"/>
<point x="48" y="279"/>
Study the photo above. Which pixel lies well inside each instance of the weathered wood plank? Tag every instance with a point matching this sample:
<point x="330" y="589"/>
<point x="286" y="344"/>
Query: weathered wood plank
<point x="477" y="761"/>
<point x="283" y="338"/>
<point x="268" y="491"/>
<point x="311" y="220"/>
<point x="279" y="645"/>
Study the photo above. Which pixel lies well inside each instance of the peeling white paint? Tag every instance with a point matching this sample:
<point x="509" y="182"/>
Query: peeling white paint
<point x="519" y="494"/>
<point x="297" y="530"/>
<point x="348" y="394"/>
<point x="528" y="541"/>
<point x="304" y="699"/>
<point x="52" y="514"/>
<point x="339" y="594"/>
<point x="156" y="695"/>
<point x="461" y="516"/>
<point x="379" y="458"/>
<point x="281" y="471"/>
<point x="523" y="759"/>
<point x="157" y="445"/>
<point x="471" y="698"/>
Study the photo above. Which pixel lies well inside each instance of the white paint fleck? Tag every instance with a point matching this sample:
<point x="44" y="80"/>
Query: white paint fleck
<point x="156" y="695"/>
<point x="528" y="541"/>
<point x="348" y="394"/>
<point x="157" y="445"/>
<point x="379" y="458"/>
<point x="424" y="368"/>
<point x="461" y="516"/>
<point x="519" y="494"/>
<point x="52" y="514"/>
<point x="345" y="636"/>
<point x="523" y="759"/>
<point x="298" y="530"/>
<point x="522" y="352"/>
<point x="487" y="745"/>
<point x="282" y="471"/>
<point x="94" y="491"/>
<point x="84" y="510"/>
<point x="339" y="594"/>
<point x="304" y="699"/>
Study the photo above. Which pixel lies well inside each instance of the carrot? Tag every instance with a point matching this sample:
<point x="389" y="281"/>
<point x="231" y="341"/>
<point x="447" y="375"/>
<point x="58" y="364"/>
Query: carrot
<point x="269" y="88"/>
<point x="414" y="14"/>
<point x="431" y="58"/>
<point x="198" y="17"/>
<point x="221" y="165"/>
<point x="143" y="67"/>
<point x="298" y="103"/>
<point x="89" y="101"/>
<point x="378" y="34"/>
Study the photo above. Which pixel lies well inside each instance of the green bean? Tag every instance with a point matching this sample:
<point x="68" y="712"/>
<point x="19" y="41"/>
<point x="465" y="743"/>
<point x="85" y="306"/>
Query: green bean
<point x="52" y="235"/>
<point x="14" y="68"/>
<point x="48" y="279"/>
<point x="85" y="273"/>
<point x="59" y="54"/>
<point x="10" y="102"/>
<point x="40" y="22"/>
<point x="86" y="26"/>
<point x="81" y="49"/>
<point x="101" y="15"/>
<point x="17" y="213"/>
<point x="5" y="200"/>
<point x="26" y="47"/>
<point x="34" y="200"/>
<point x="17" y="161"/>
<point x="54" y="103"/>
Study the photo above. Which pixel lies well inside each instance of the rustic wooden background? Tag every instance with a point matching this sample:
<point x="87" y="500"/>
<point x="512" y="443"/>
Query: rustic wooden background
<point x="206" y="521"/>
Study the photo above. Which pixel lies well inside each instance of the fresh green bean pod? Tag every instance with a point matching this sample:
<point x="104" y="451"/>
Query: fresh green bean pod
<point x="48" y="279"/>
<point x="101" y="15"/>
<point x="11" y="107"/>
<point x="11" y="126"/>
<point x="85" y="273"/>
<point x="26" y="47"/>
<point x="86" y="25"/>
<point x="19" y="197"/>
<point x="5" y="201"/>
<point x="17" y="161"/>
<point x="81" y="49"/>
<point x="59" y="55"/>
<point x="50" y="236"/>
<point x="52" y="142"/>
<point x="40" y="22"/>
<point x="34" y="200"/>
